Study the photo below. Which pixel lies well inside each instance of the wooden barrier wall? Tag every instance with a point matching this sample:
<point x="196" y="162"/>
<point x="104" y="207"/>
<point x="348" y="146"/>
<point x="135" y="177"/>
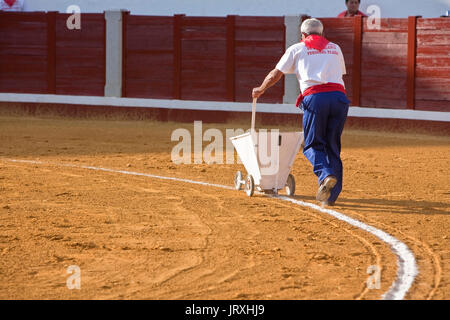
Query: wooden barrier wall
<point x="39" y="54"/>
<point x="23" y="53"/>
<point x="404" y="65"/>
<point x="80" y="56"/>
<point x="201" y="58"/>
<point x="432" y="75"/>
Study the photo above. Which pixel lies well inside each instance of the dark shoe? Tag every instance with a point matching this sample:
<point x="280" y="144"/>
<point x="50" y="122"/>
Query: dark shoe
<point x="327" y="203"/>
<point x="325" y="188"/>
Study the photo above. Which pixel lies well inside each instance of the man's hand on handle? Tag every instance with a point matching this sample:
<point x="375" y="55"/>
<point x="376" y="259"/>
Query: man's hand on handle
<point x="257" y="92"/>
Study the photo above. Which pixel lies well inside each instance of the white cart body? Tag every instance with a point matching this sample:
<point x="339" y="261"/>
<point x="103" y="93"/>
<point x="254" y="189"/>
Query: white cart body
<point x="264" y="176"/>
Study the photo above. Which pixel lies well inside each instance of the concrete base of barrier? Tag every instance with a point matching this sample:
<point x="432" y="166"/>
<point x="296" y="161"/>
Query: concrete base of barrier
<point x="211" y="116"/>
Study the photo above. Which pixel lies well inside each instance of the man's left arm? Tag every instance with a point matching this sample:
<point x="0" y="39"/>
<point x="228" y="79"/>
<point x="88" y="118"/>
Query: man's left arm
<point x="342" y="61"/>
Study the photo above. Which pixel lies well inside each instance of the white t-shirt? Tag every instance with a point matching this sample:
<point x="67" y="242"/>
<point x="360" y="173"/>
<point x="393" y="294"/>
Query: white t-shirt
<point x="313" y="67"/>
<point x="17" y="6"/>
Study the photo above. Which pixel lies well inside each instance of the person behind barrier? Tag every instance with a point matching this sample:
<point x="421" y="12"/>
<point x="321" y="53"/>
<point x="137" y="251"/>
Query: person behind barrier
<point x="352" y="9"/>
<point x="319" y="66"/>
<point x="12" y="5"/>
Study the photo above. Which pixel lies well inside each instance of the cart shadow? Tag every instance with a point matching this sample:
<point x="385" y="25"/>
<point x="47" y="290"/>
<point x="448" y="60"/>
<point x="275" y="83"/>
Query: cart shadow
<point x="406" y="206"/>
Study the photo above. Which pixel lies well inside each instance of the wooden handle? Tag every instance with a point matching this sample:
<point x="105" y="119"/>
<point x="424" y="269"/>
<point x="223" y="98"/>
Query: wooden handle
<point x="253" y="113"/>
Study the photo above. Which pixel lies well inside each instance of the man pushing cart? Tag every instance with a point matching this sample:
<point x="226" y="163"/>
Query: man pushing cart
<point x="319" y="66"/>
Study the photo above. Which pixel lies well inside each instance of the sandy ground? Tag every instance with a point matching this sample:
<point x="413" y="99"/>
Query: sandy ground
<point x="135" y="237"/>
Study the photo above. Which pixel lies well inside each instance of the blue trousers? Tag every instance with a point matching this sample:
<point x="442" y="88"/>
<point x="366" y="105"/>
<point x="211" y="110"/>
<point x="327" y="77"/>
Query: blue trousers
<point x="323" y="121"/>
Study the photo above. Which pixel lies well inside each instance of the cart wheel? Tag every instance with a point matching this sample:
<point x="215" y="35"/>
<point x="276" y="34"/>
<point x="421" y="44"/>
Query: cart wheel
<point x="290" y="185"/>
<point x="238" y="180"/>
<point x="249" y="185"/>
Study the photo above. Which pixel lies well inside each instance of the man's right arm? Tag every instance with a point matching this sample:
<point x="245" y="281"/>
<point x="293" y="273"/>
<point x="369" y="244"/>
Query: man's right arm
<point x="273" y="77"/>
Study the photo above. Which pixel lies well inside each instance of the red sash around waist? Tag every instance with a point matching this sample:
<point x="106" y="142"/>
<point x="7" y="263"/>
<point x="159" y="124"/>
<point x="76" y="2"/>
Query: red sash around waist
<point x="327" y="87"/>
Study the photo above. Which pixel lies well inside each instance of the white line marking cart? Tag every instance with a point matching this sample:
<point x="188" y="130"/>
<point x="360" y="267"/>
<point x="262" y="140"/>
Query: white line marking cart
<point x="259" y="176"/>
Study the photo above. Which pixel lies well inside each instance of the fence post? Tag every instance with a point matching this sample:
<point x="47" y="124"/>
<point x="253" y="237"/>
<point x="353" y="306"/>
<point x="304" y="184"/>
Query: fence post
<point x="411" y="76"/>
<point x="357" y="48"/>
<point x="114" y="52"/>
<point x="125" y="15"/>
<point x="51" y="52"/>
<point x="177" y="25"/>
<point x="230" y="65"/>
<point x="292" y="36"/>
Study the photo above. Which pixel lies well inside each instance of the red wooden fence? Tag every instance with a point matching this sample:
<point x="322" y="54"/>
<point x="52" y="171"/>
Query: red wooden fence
<point x="38" y="54"/>
<point x="259" y="44"/>
<point x="406" y="64"/>
<point x="80" y="56"/>
<point x="148" y="57"/>
<point x="432" y="87"/>
<point x="384" y="64"/>
<point x="201" y="58"/>
<point x="23" y="53"/>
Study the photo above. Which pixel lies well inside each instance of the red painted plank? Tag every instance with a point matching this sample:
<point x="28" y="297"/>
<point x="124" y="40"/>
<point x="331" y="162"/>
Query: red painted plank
<point x="433" y="89"/>
<point x="357" y="47"/>
<point x="137" y="20"/>
<point x="438" y="39"/>
<point x="389" y="25"/>
<point x="340" y="38"/>
<point x="383" y="103"/>
<point x="387" y="70"/>
<point x="21" y="35"/>
<point x="23" y="51"/>
<point x="12" y="16"/>
<point x="230" y="59"/>
<point x="432" y="105"/>
<point x="260" y="22"/>
<point x="335" y="24"/>
<point x="207" y="22"/>
<point x="433" y="24"/>
<point x="384" y="51"/>
<point x="150" y="88"/>
<point x="23" y="65"/>
<point x="259" y="35"/>
<point x="433" y="32"/>
<point x="388" y="90"/>
<point x="432" y="51"/>
<point x="411" y="73"/>
<point x="432" y="72"/>
<point x="152" y="39"/>
<point x="433" y="61"/>
<point x="209" y="50"/>
<point x="177" y="23"/>
<point x="385" y="37"/>
<point x="80" y="53"/>
<point x="51" y="52"/>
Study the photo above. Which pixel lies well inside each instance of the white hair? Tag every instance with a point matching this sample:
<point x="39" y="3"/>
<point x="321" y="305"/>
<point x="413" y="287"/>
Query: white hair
<point x="310" y="26"/>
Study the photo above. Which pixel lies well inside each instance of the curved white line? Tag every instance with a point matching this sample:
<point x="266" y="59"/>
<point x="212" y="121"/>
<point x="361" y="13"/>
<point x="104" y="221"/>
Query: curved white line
<point x="406" y="263"/>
